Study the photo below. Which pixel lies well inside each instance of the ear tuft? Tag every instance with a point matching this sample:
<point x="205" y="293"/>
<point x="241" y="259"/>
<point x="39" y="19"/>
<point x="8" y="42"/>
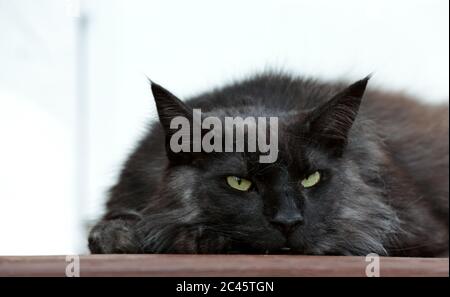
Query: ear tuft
<point x="357" y="89"/>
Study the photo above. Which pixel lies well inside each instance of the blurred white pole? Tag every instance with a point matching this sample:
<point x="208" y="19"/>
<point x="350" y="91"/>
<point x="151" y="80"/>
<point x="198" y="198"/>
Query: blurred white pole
<point x="82" y="116"/>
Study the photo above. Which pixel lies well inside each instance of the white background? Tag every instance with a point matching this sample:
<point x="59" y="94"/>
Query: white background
<point x="73" y="102"/>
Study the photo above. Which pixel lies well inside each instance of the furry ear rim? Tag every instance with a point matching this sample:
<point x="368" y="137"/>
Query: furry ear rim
<point x="330" y="123"/>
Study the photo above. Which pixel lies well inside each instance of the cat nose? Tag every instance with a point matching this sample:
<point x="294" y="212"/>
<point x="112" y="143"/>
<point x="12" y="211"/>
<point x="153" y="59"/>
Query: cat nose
<point x="287" y="224"/>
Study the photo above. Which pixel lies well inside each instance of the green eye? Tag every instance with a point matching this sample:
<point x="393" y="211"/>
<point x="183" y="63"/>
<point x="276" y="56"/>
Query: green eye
<point x="239" y="183"/>
<point x="311" y="180"/>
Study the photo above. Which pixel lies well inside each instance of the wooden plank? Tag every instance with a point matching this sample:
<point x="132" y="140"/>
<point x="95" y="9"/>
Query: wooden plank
<point x="220" y="265"/>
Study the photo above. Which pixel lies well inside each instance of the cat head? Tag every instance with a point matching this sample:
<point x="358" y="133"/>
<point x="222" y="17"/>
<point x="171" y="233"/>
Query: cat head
<point x="322" y="195"/>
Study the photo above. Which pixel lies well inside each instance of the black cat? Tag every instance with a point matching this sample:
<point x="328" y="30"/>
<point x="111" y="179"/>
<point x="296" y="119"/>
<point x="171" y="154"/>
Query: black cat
<point x="357" y="172"/>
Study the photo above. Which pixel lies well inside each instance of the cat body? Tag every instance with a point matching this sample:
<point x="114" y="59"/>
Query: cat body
<point x="382" y="160"/>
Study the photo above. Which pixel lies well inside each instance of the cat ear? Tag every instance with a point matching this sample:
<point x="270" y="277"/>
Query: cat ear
<point x="168" y="106"/>
<point x="329" y="124"/>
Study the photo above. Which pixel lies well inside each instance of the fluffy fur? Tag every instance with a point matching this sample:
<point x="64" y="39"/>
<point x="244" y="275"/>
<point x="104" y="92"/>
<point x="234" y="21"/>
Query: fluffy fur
<point x="383" y="159"/>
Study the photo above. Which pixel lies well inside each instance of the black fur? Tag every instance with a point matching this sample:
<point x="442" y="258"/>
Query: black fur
<point x="383" y="159"/>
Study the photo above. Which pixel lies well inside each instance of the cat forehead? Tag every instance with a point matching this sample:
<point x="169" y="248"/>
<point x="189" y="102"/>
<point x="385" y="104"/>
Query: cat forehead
<point x="282" y="123"/>
<point x="229" y="162"/>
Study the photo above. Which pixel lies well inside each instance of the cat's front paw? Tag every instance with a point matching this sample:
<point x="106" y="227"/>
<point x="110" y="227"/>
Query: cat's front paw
<point x="199" y="241"/>
<point x="114" y="237"/>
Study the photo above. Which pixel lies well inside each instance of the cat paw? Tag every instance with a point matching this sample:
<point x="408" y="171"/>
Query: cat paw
<point x="114" y="237"/>
<point x="199" y="242"/>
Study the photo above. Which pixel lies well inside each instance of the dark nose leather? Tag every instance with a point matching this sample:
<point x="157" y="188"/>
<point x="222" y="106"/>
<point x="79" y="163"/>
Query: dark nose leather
<point x="287" y="223"/>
